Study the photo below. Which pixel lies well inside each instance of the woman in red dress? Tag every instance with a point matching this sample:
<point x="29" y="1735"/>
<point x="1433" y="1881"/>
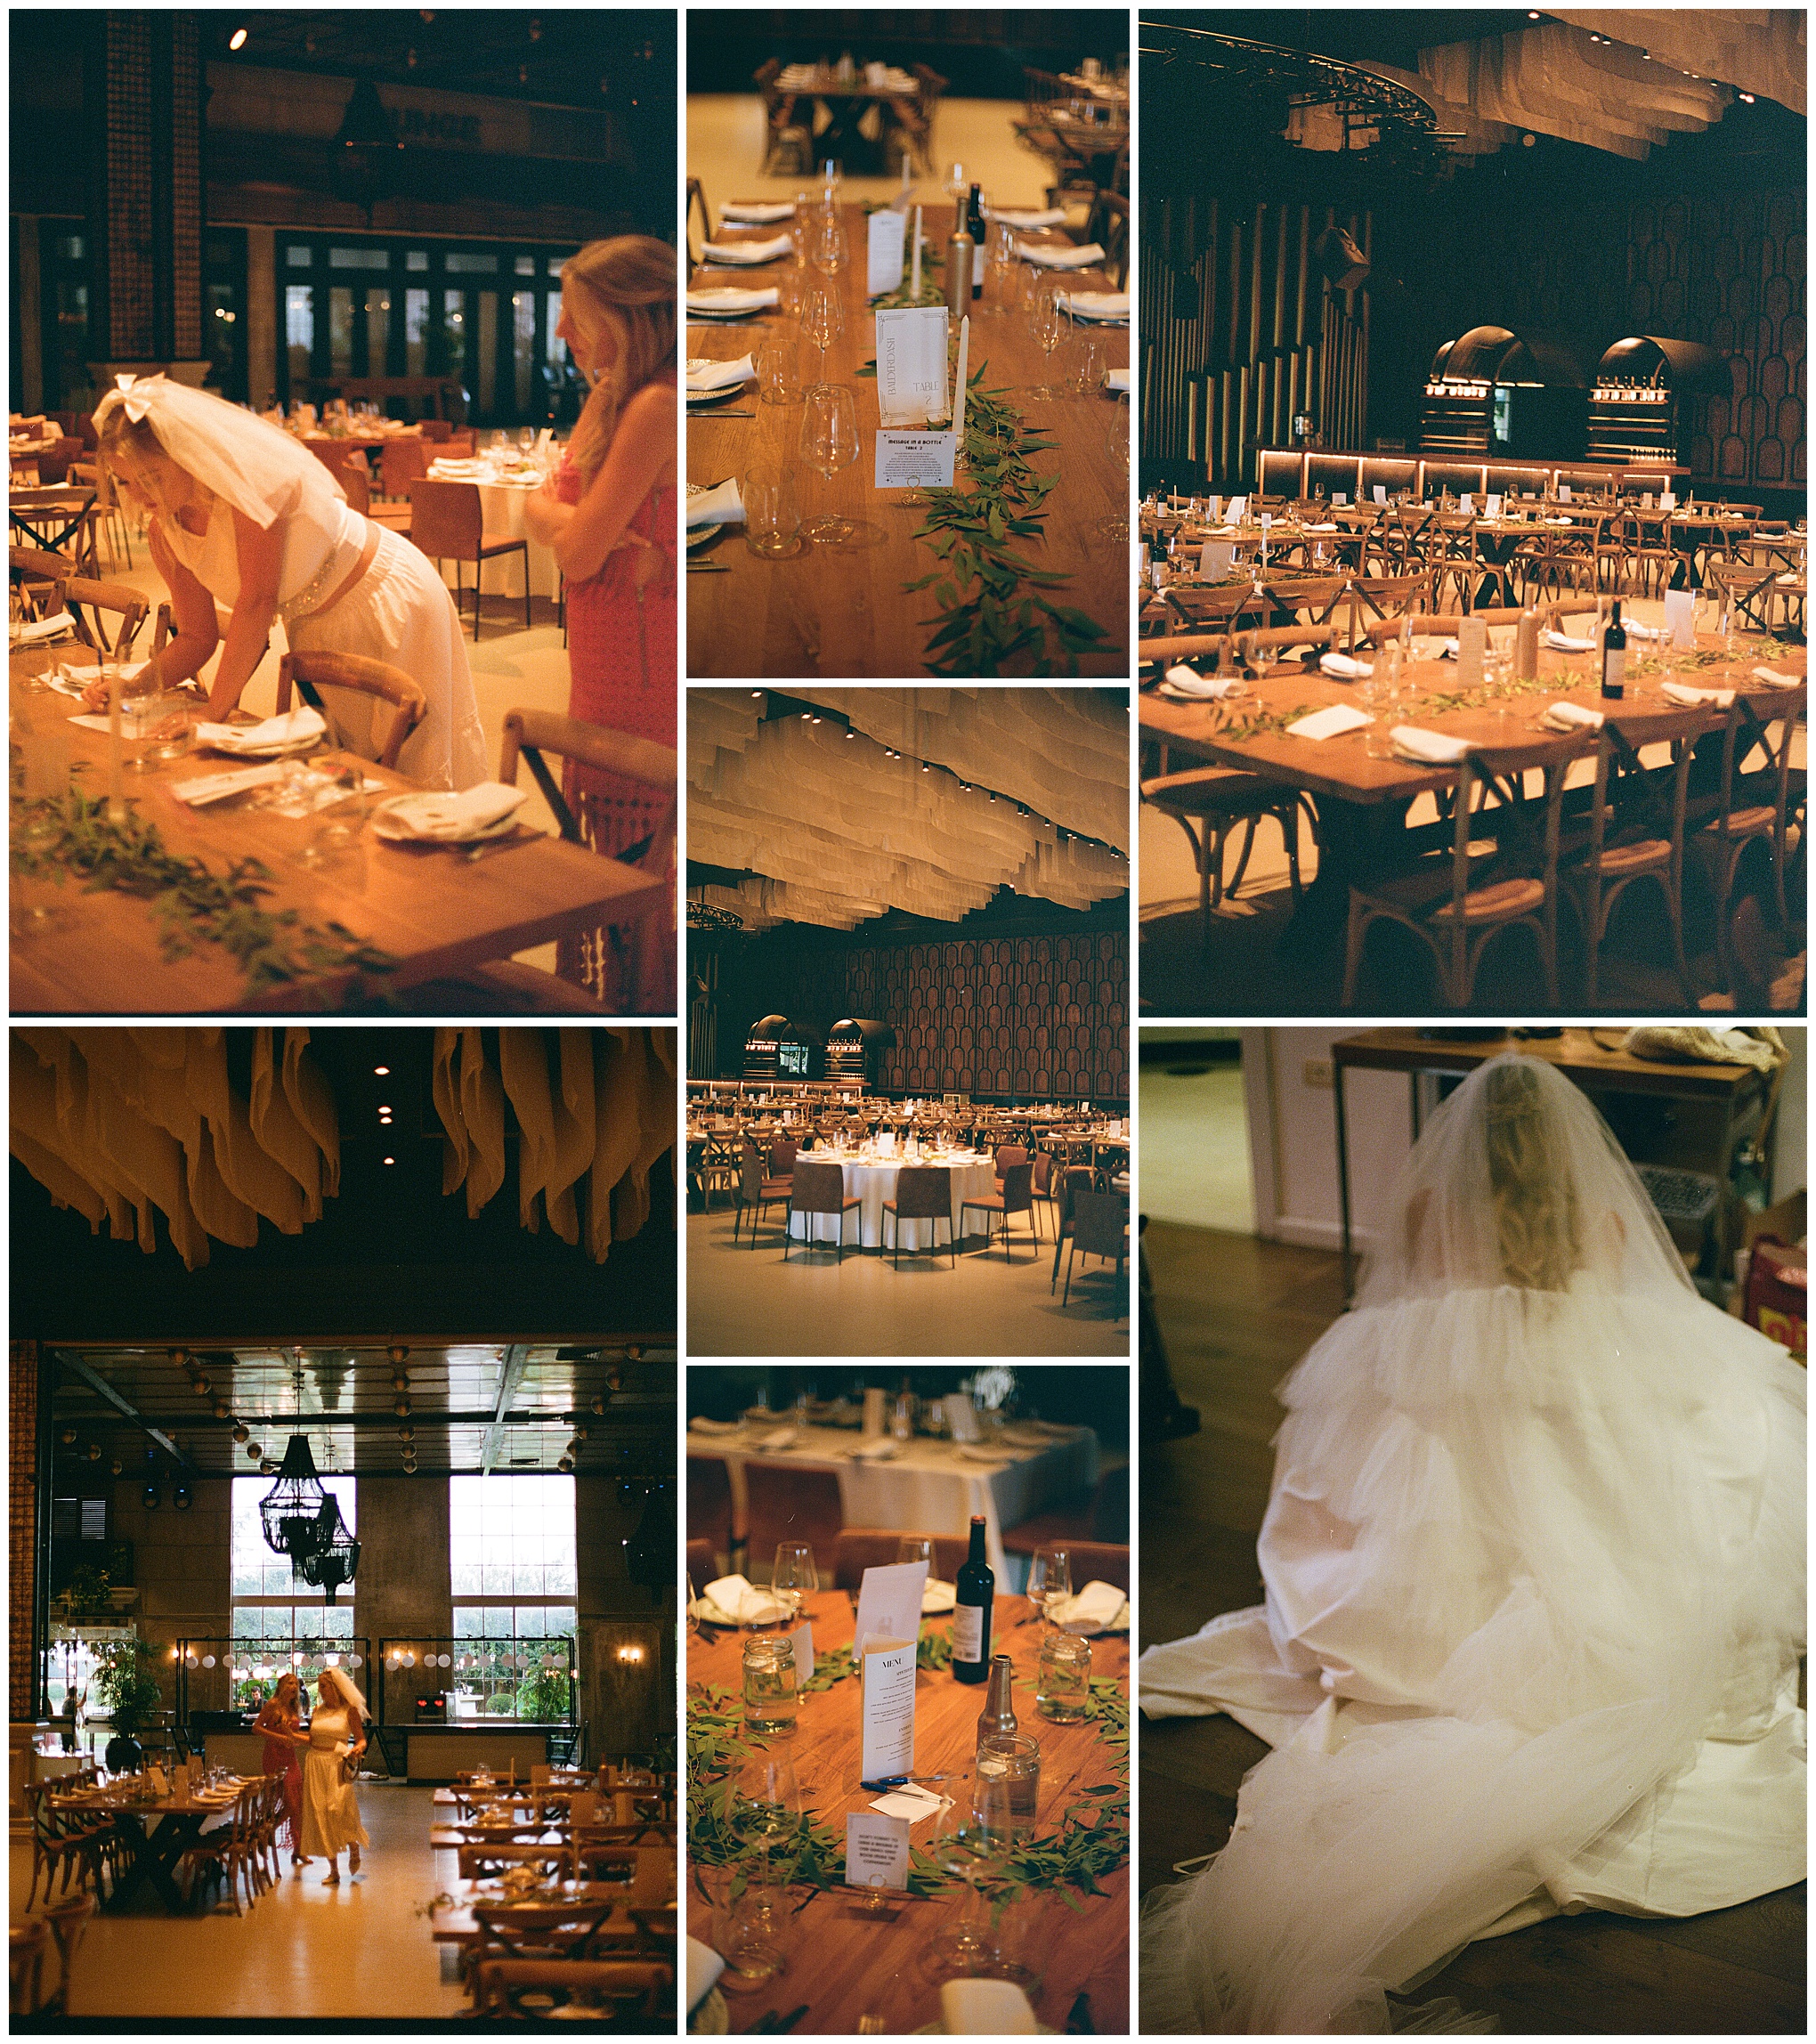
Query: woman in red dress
<point x="281" y="1721"/>
<point x="609" y="515"/>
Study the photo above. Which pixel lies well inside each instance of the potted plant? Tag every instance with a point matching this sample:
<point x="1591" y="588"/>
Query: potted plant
<point x="131" y="1694"/>
<point x="89" y="1592"/>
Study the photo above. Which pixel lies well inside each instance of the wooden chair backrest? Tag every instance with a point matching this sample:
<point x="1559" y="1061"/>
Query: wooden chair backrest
<point x="82" y="595"/>
<point x="401" y="462"/>
<point x="612" y="751"/>
<point x="368" y="677"/>
<point x="861" y="1547"/>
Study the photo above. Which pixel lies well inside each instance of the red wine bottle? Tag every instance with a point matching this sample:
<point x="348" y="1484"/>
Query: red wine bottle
<point x="1614" y="659"/>
<point x="976" y="1594"/>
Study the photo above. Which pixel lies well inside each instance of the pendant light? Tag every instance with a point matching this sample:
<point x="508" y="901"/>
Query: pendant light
<point x="292" y="1510"/>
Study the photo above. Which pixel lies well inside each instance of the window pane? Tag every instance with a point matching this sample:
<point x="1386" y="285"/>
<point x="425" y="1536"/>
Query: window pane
<point x="359" y="258"/>
<point x="299" y="337"/>
<point x="554" y="264"/>
<point x="524" y="266"/>
<point x="70" y="247"/>
<point x="340" y="331"/>
<point x="416" y="327"/>
<point x="377" y="329"/>
<point x="488" y="338"/>
<point x="299" y="255"/>
<point x="458" y="265"/>
<point x="454" y="330"/>
<point x="523" y="349"/>
<point x="416" y="259"/>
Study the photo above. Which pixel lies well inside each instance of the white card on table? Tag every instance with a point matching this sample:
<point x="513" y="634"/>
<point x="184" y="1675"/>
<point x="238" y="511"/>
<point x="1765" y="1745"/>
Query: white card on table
<point x="889" y="1607"/>
<point x="1491" y="507"/>
<point x="802" y="1640"/>
<point x="888" y="1710"/>
<point x="876" y="1851"/>
<point x="919" y="460"/>
<point x="1381" y="493"/>
<point x="1337" y="500"/>
<point x="1237" y="506"/>
<point x="1266" y="520"/>
<point x="1214" y="557"/>
<point x="909" y="1802"/>
<point x="1465" y="503"/>
<point x="887" y="232"/>
<point x="911" y="365"/>
<point x="961" y="1416"/>
<point x="1667" y="500"/>
<point x="1563" y="493"/>
<point x="1679" y="616"/>
<point x="1213" y="508"/>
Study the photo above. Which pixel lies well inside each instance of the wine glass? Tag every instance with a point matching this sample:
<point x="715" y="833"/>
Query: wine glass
<point x="827" y="248"/>
<point x="795" y="1578"/>
<point x="526" y="438"/>
<point x="963" y="1845"/>
<point x="141" y="694"/>
<point x="1047" y="317"/>
<point x="1113" y="530"/>
<point x="914" y="1547"/>
<point x="829" y="444"/>
<point x="1049" y="1579"/>
<point x="822" y="319"/>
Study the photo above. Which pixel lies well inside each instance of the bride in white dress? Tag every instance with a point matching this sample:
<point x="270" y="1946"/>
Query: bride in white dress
<point x="336" y="1738"/>
<point x="1533" y="1560"/>
<point x="245" y="516"/>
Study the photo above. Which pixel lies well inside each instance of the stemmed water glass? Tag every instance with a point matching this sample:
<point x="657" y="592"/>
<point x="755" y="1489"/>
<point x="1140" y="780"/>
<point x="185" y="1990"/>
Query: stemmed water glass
<point x="1113" y="530"/>
<point x="829" y="444"/>
<point x="827" y="248"/>
<point x="822" y="319"/>
<point x="795" y="1577"/>
<point x="1049" y="1579"/>
<point x="1046" y="318"/>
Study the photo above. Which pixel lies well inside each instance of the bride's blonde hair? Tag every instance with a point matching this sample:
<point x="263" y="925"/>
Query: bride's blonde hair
<point x="153" y="465"/>
<point x="1538" y="1217"/>
<point x="627" y="283"/>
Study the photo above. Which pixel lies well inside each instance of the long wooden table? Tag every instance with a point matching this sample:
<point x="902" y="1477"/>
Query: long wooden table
<point x="434" y="909"/>
<point x="153" y="1832"/>
<point x="844" y="1963"/>
<point x="838" y="612"/>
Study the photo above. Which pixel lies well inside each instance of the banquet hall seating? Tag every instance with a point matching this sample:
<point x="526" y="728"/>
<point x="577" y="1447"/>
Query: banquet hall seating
<point x="38" y="575"/>
<point x="1747" y="590"/>
<point x="861" y="1547"/>
<point x="1747" y="807"/>
<point x="636" y="1996"/>
<point x="68" y="1922"/>
<point x="710" y="1504"/>
<point x="231" y="1850"/>
<point x="784" y="1502"/>
<point x="923" y="1192"/>
<point x="106" y="510"/>
<point x="1096" y="1562"/>
<point x="1074" y="1179"/>
<point x="1100" y="1227"/>
<point x="91" y="603"/>
<point x="1108" y="224"/>
<point x="1208" y="803"/>
<point x="696" y="196"/>
<point x="756" y="1188"/>
<point x="529" y="734"/>
<point x="914" y="116"/>
<point x="29" y="1946"/>
<point x="310" y="672"/>
<point x="817" y="1189"/>
<point x="1042" y="1186"/>
<point x="1007" y="1154"/>
<point x="54" y="462"/>
<point x="447" y="520"/>
<point x="1435" y="624"/>
<point x="403" y="461"/>
<point x="1456" y="902"/>
<point x="65" y="1845"/>
<point x="1015" y="1196"/>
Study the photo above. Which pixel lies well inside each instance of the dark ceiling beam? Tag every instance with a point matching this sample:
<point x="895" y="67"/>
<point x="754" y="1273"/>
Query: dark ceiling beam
<point x="516" y="1360"/>
<point x="379" y="1422"/>
<point x="75" y="1367"/>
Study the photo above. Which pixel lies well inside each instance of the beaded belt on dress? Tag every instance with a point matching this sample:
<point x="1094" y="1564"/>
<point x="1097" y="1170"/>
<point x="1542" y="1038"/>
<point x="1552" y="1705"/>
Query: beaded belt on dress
<point x="307" y="598"/>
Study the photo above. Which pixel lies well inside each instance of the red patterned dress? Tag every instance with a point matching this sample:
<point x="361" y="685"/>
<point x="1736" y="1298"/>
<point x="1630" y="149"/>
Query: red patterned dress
<point x="282" y="1757"/>
<point x="626" y="676"/>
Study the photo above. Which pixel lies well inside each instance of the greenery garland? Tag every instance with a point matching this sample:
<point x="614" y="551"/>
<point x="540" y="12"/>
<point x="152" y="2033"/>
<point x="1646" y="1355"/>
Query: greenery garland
<point x="71" y="834"/>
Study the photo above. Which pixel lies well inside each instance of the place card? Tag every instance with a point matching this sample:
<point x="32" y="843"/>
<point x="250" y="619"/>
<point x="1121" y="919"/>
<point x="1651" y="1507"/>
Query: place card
<point x="802" y="1641"/>
<point x="1667" y="500"/>
<point x="1491" y="507"/>
<point x="909" y="1802"/>
<point x="1214" y="557"/>
<point x="889" y="1709"/>
<point x="1563" y="493"/>
<point x="1466" y="504"/>
<point x="876" y="1851"/>
<point x="1237" y="506"/>
<point x="1679" y="616"/>
<point x="888" y="244"/>
<point x="889" y="1607"/>
<point x="1381" y="493"/>
<point x="924" y="461"/>
<point x="1337" y="500"/>
<point x="961" y="1416"/>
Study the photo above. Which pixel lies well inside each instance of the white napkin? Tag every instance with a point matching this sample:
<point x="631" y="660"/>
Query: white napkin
<point x="1342" y="668"/>
<point x="216" y="787"/>
<point x="986" y="2009"/>
<point x="1572" y="717"/>
<point x="1773" y="678"/>
<point x="937" y="1597"/>
<point x="1445" y="649"/>
<point x="722" y="506"/>
<point x="881" y="1450"/>
<point x="1331" y="723"/>
<point x="1096" y="1609"/>
<point x="1694" y="698"/>
<point x="1331" y="527"/>
<point x="729" y="298"/>
<point x="704" y="1965"/>
<point x="761" y="210"/>
<point x="1118" y="380"/>
<point x="701" y="1424"/>
<point x="1208" y="687"/>
<point x="1433" y="745"/>
<point x="753" y="252"/>
<point x="780" y="1437"/>
<point x="1636" y="630"/>
<point x="741" y="1602"/>
<point x="1030" y="219"/>
<point x="45" y="628"/>
<point x="292" y="728"/>
<point x="703" y="375"/>
<point x="1061" y="258"/>
<point x="452" y="817"/>
<point x="1561" y="641"/>
<point x="1097" y="304"/>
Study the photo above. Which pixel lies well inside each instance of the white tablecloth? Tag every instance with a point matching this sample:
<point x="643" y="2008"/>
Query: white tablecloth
<point x="874" y="1183"/>
<point x="930" y="1487"/>
<point x="501" y="507"/>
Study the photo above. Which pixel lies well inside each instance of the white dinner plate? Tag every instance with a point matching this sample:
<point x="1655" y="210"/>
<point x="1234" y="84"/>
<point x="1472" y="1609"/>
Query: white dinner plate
<point x="703" y="400"/>
<point x="384" y="824"/>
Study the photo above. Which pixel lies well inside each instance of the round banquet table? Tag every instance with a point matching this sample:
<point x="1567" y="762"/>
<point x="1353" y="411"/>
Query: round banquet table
<point x="872" y="1181"/>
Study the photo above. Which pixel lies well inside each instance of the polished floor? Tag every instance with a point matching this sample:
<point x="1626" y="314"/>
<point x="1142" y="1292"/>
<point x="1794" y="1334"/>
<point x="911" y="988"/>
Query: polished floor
<point x="303" y="1950"/>
<point x="1237" y="1313"/>
<point x="746" y="1301"/>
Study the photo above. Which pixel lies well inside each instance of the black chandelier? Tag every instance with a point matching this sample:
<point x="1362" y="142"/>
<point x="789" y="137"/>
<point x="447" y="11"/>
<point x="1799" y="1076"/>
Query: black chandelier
<point x="293" y="1509"/>
<point x="335" y="1560"/>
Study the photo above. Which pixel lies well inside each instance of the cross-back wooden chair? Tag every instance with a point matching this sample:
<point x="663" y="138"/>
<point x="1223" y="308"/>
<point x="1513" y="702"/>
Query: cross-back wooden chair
<point x="91" y="603"/>
<point x="1745" y="808"/>
<point x="310" y="672"/>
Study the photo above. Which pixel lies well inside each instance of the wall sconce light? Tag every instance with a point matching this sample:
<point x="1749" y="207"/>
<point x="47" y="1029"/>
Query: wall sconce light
<point x="180" y="1498"/>
<point x="242" y="1434"/>
<point x="631" y="1653"/>
<point x="149" y="1497"/>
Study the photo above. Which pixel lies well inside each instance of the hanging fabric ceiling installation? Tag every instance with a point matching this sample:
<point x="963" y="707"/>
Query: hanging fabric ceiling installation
<point x="833" y="830"/>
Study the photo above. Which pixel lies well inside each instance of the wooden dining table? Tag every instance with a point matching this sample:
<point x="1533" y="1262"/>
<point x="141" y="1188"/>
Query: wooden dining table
<point x="834" y="611"/>
<point x="153" y="1832"/>
<point x="435" y="911"/>
<point x="844" y="1960"/>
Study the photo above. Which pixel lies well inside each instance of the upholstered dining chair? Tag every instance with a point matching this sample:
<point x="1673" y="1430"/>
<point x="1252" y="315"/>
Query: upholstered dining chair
<point x="756" y="1188"/>
<point x="1100" y="1227"/>
<point x="817" y="1189"/>
<point x="447" y="520"/>
<point x="923" y="1192"/>
<point x="1016" y="1198"/>
<point x="861" y="1547"/>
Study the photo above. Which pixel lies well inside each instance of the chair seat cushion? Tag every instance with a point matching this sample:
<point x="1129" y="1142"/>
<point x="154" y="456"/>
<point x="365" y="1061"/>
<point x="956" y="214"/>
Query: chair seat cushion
<point x="499" y="543"/>
<point x="1215" y="794"/>
<point x="1489" y="903"/>
<point x="1641" y="857"/>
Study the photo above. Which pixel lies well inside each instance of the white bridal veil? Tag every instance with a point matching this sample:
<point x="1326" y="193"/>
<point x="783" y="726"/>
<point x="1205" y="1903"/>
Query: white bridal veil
<point x="1534" y="1564"/>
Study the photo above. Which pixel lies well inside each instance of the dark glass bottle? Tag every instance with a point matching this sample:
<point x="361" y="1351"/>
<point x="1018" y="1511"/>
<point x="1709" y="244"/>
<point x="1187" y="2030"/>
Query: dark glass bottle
<point x="977" y="1588"/>
<point x="973" y="227"/>
<point x="1614" y="659"/>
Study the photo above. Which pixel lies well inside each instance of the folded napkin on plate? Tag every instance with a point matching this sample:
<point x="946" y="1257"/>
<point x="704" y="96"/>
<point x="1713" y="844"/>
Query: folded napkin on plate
<point x="1097" y="304"/>
<point x="1094" y="1609"/>
<point x="938" y="1596"/>
<point x="704" y="1965"/>
<point x="1773" y="678"/>
<point x="1116" y="380"/>
<point x="1342" y="668"/>
<point x="1208" y="686"/>
<point x="719" y="505"/>
<point x="761" y="210"/>
<point x="740" y="1602"/>
<point x="780" y="1437"/>
<point x="1446" y="649"/>
<point x="1029" y="219"/>
<point x="1561" y="641"/>
<point x="881" y="1450"/>
<point x="292" y="728"/>
<point x="752" y="252"/>
<point x="986" y="2009"/>
<point x="1330" y="723"/>
<point x="1433" y="745"/>
<point x="1694" y="698"/>
<point x="1331" y="527"/>
<point x="45" y="628"/>
<point x="730" y="298"/>
<point x="1571" y="717"/>
<point x="704" y="1426"/>
<point x="719" y="376"/>
<point x="456" y="816"/>
<point x="1061" y="258"/>
<point x="1636" y="630"/>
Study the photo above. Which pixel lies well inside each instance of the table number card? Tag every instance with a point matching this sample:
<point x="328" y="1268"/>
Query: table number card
<point x="1466" y="504"/>
<point x="1214" y="557"/>
<point x="1680" y="617"/>
<point x="961" y="1416"/>
<point x="889" y="1709"/>
<point x="1237" y="506"/>
<point x="1563" y="493"/>
<point x="889" y="1607"/>
<point x="1381" y="493"/>
<point x="1491" y="507"/>
<point x="915" y="449"/>
<point x="887" y="241"/>
<point x="1667" y="500"/>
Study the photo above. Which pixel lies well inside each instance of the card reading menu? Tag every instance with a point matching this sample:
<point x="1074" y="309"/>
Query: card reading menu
<point x="888" y="240"/>
<point x="876" y="1851"/>
<point x="889" y="1709"/>
<point x="889" y="1607"/>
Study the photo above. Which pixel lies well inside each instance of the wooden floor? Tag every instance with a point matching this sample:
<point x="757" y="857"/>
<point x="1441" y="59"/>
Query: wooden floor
<point x="1237" y="1313"/>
